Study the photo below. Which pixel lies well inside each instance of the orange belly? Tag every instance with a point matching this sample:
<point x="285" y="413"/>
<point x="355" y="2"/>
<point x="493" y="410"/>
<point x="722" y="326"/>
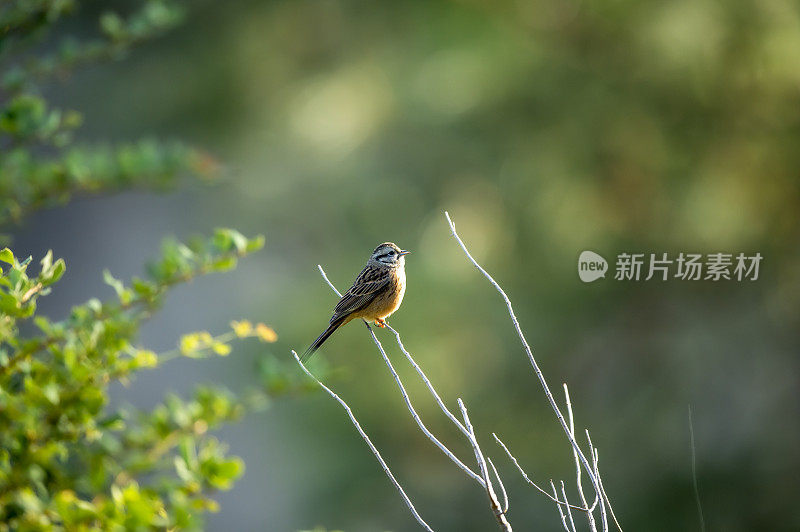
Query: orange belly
<point x="386" y="304"/>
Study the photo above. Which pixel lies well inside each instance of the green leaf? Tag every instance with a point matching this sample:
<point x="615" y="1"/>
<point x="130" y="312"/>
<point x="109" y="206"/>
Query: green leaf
<point x="221" y="473"/>
<point x="54" y="274"/>
<point x="254" y="244"/>
<point x="51" y="391"/>
<point x="7" y="256"/>
<point x="43" y="324"/>
<point x="47" y="262"/>
<point x="239" y="240"/>
<point x="58" y="270"/>
<point x="224" y="264"/>
<point x="125" y="296"/>
<point x="9" y="304"/>
<point x="182" y="469"/>
<point x="222" y="240"/>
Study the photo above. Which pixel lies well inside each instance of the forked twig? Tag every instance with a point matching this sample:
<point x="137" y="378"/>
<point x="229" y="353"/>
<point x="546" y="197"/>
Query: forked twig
<point x="500" y="482"/>
<point x="560" y="511"/>
<point x="493" y="502"/>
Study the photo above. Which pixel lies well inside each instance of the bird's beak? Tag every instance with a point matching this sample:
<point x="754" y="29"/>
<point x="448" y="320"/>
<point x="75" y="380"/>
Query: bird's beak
<point x="404" y="252"/>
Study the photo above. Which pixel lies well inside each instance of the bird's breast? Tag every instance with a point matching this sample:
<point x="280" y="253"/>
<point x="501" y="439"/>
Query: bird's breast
<point x="388" y="302"/>
<point x="401" y="281"/>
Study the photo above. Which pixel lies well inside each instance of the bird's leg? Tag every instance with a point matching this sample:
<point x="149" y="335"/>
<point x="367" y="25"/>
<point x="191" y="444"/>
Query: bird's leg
<point x="380" y="322"/>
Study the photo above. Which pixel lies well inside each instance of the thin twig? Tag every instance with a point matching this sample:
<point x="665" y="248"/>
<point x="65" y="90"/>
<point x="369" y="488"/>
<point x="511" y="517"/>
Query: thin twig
<point x="569" y="510"/>
<point x="532" y="483"/>
<point x="694" y="475"/>
<point x="578" y="469"/>
<point x="608" y="502"/>
<point x="325" y="276"/>
<point x="370" y="444"/>
<point x="596" y="467"/>
<point x="473" y="440"/>
<point x="603" y="489"/>
<point x="502" y="487"/>
<point x="558" y="506"/>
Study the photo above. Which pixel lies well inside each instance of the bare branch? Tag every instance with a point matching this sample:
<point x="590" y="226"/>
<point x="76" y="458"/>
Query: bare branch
<point x="569" y="510"/>
<point x="370" y="444"/>
<point x="325" y="276"/>
<point x="595" y="457"/>
<point x="578" y="469"/>
<point x="502" y="487"/>
<point x="494" y="503"/>
<point x="608" y="502"/>
<point x="558" y="506"/>
<point x="602" y="489"/>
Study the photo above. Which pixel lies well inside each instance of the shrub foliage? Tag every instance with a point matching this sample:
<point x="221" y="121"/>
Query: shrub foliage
<point x="68" y="459"/>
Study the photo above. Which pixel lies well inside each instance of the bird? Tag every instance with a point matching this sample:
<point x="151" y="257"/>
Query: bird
<point x="375" y="295"/>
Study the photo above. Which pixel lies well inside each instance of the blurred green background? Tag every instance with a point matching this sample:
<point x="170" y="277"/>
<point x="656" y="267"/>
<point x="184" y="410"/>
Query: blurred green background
<point x="545" y="128"/>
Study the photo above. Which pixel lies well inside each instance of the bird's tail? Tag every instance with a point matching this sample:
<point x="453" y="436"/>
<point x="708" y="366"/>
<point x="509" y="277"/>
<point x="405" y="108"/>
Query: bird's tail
<point x="319" y="341"/>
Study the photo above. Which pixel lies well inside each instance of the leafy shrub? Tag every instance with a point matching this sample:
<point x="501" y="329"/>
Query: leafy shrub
<point x="67" y="460"/>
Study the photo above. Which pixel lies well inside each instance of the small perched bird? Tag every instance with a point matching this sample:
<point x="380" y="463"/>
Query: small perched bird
<point x="376" y="293"/>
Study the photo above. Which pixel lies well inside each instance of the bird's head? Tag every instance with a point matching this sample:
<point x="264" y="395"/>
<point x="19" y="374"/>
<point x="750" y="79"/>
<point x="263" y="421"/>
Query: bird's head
<point x="389" y="254"/>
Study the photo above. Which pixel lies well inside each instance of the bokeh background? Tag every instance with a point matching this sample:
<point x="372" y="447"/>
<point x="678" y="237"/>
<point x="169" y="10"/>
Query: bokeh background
<point x="545" y="127"/>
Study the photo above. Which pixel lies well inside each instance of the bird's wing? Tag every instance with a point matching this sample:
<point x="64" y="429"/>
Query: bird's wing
<point x="366" y="286"/>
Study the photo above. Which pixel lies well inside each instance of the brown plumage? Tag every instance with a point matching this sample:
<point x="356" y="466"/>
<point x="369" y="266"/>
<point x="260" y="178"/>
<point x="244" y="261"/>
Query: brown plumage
<point x="375" y="295"/>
